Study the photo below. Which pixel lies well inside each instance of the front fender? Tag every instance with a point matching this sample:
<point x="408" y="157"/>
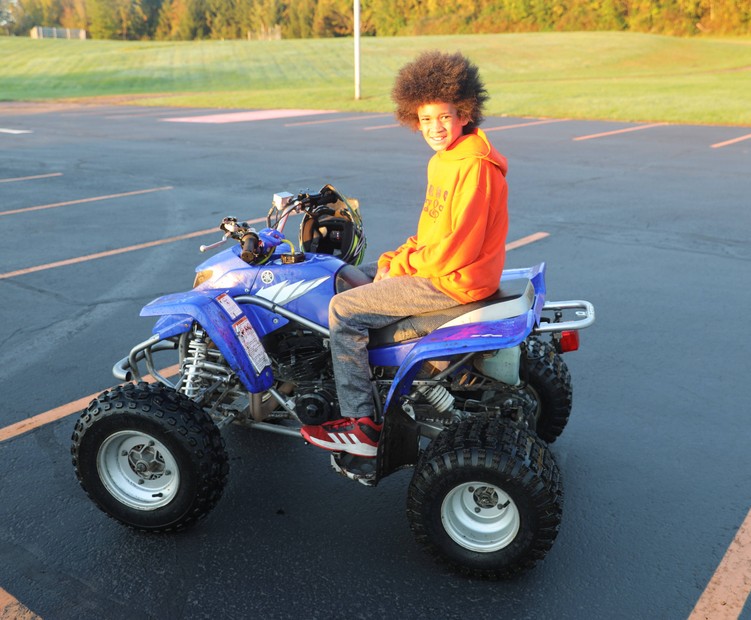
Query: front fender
<point x="232" y="330"/>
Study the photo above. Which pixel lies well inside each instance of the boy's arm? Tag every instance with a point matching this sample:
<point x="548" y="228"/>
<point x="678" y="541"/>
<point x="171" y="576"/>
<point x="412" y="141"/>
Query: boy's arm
<point x="384" y="261"/>
<point x="462" y="246"/>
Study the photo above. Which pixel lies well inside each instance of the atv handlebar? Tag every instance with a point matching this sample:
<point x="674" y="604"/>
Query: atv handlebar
<point x="251" y="245"/>
<point x="284" y="204"/>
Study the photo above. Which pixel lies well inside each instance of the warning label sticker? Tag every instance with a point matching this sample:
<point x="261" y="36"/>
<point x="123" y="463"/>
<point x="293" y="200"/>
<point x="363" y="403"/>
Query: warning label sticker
<point x="251" y="343"/>
<point x="229" y="305"/>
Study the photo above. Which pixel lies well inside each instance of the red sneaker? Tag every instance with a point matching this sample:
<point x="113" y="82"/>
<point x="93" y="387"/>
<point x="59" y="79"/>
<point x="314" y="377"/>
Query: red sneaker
<point x="358" y="436"/>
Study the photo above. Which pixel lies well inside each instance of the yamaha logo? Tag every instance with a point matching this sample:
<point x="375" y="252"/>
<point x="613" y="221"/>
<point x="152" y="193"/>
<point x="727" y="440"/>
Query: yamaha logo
<point x="267" y="277"/>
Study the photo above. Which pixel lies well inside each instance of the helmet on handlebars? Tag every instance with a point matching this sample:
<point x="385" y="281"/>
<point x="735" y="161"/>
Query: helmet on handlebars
<point x="335" y="229"/>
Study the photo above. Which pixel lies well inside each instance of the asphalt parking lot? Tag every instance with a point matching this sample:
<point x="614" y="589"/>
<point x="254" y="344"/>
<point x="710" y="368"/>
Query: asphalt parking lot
<point x="103" y="208"/>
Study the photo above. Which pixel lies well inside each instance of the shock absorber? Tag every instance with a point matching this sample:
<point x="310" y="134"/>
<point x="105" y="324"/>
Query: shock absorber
<point x="438" y="396"/>
<point x="194" y="358"/>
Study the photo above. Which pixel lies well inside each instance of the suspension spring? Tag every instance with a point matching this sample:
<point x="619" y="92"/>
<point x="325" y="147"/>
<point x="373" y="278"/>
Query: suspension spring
<point x="438" y="396"/>
<point x="196" y="355"/>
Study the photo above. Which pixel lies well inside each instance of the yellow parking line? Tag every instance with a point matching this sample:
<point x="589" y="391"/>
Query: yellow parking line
<point x="376" y="127"/>
<point x="730" y="586"/>
<point x="85" y="200"/>
<point x="530" y="124"/>
<point x="526" y="240"/>
<point x="130" y="248"/>
<point x="11" y="609"/>
<point x="335" y="120"/>
<point x="31" y="178"/>
<point x="618" y="131"/>
<point x="29" y="424"/>
<point x="719" y="145"/>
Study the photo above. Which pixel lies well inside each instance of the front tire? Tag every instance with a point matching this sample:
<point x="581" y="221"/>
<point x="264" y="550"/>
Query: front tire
<point x="149" y="457"/>
<point x="486" y="498"/>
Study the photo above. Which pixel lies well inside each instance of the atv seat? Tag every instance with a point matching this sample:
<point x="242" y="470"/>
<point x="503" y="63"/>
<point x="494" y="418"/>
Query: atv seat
<point x="514" y="298"/>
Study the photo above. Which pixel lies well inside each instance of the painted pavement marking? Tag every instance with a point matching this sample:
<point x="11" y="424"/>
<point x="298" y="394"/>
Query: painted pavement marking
<point x="63" y="411"/>
<point x="31" y="178"/>
<point x="11" y="609"/>
<point x="618" y="131"/>
<point x="336" y="120"/>
<point x="719" y="145"/>
<point x="729" y="588"/>
<point x="130" y="248"/>
<point x="530" y="124"/>
<point x="85" y="200"/>
<point x="244" y="117"/>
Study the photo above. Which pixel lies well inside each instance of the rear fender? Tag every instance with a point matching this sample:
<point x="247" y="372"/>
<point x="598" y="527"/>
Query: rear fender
<point x="459" y="340"/>
<point x="399" y="446"/>
<point x="235" y="332"/>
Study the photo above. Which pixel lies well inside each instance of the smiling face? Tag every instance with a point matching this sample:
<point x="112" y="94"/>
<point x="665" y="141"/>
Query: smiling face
<point x="440" y="124"/>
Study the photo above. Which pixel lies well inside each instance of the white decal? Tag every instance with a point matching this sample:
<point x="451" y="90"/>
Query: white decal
<point x="251" y="343"/>
<point x="267" y="276"/>
<point x="229" y="305"/>
<point x="284" y="292"/>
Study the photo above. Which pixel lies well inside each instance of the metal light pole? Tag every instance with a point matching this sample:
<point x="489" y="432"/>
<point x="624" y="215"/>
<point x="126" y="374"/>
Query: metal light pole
<point x="357" y="48"/>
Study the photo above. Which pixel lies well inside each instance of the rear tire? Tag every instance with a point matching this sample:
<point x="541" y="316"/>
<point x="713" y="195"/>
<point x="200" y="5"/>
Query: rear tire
<point x="548" y="382"/>
<point x="486" y="498"/>
<point x="149" y="457"/>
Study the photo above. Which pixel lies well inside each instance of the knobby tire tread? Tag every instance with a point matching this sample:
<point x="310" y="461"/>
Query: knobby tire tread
<point x="551" y="379"/>
<point x="175" y="413"/>
<point x="497" y="447"/>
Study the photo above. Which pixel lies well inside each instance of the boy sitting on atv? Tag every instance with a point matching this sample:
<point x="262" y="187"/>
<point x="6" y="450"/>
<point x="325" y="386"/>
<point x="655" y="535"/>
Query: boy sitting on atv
<point x="457" y="255"/>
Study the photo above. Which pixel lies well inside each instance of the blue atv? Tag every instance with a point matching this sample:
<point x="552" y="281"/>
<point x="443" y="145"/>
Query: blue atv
<point x="469" y="397"/>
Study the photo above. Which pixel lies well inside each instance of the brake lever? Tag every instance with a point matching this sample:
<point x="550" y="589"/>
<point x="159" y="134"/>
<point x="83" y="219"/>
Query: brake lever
<point x="206" y="248"/>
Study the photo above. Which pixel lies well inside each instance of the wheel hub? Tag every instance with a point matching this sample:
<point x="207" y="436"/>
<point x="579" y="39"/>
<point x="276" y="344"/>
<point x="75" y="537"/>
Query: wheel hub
<point x="138" y="470"/>
<point x="480" y="517"/>
<point x="146" y="462"/>
<point x="485" y="497"/>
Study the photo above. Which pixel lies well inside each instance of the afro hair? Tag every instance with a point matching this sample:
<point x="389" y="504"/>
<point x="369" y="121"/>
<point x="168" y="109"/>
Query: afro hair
<point x="435" y="77"/>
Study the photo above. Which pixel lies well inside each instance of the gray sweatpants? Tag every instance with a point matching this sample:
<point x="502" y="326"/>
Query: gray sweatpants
<point x="353" y="312"/>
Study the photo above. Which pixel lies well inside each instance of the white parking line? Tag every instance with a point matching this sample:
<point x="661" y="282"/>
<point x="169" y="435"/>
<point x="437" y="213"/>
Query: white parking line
<point x="31" y="178"/>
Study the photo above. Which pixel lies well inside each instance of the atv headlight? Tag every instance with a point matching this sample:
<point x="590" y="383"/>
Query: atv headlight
<point x="202" y="276"/>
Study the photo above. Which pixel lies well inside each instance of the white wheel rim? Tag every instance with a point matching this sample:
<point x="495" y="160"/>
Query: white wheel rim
<point x="138" y="470"/>
<point x="480" y="517"/>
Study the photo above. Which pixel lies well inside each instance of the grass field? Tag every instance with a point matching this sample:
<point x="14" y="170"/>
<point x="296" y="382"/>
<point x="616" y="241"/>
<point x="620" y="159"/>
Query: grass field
<point x="599" y="75"/>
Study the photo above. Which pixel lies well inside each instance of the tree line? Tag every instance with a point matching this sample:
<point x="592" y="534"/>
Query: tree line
<point x="236" y="19"/>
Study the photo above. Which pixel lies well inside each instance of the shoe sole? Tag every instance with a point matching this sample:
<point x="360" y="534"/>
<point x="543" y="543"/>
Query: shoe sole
<point x="359" y="449"/>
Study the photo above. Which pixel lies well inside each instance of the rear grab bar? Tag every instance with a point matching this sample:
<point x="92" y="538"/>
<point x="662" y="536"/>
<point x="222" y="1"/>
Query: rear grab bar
<point x="584" y="310"/>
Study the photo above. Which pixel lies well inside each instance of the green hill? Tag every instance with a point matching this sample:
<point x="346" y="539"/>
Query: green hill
<point x="605" y="75"/>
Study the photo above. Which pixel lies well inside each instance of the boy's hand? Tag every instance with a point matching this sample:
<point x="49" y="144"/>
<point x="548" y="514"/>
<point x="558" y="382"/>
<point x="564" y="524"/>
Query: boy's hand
<point x="270" y="237"/>
<point x="381" y="274"/>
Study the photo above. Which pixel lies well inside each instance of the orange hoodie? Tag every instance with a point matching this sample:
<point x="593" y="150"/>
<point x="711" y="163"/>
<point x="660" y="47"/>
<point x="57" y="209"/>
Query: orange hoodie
<point x="460" y="243"/>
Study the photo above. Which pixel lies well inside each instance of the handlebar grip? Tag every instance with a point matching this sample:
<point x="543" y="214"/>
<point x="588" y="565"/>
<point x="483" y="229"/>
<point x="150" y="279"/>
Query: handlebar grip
<point x="249" y="247"/>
